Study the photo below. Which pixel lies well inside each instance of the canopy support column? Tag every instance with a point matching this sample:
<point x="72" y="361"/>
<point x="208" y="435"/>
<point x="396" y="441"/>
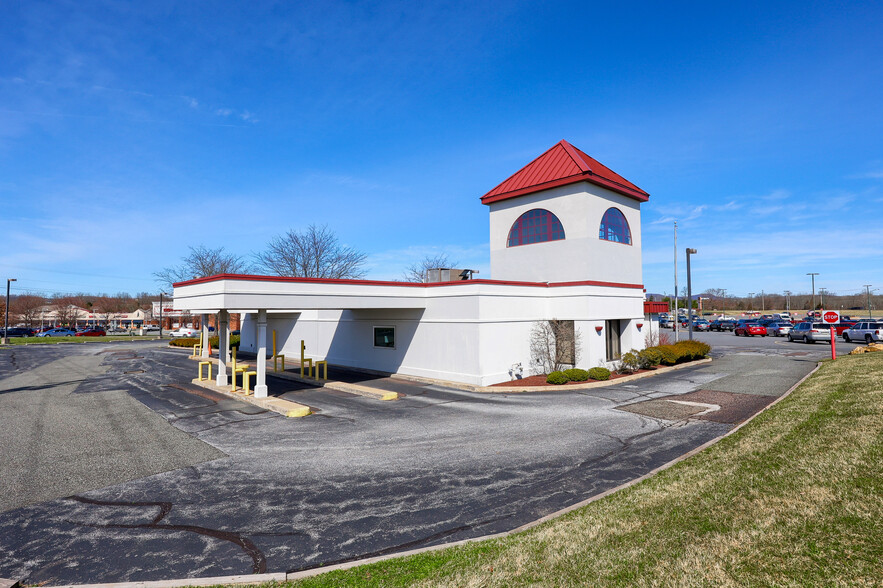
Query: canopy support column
<point x="260" y="389"/>
<point x="223" y="347"/>
<point x="203" y="319"/>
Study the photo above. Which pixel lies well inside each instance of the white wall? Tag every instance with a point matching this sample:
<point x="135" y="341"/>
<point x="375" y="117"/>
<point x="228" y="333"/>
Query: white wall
<point x="581" y="255"/>
<point x="466" y="333"/>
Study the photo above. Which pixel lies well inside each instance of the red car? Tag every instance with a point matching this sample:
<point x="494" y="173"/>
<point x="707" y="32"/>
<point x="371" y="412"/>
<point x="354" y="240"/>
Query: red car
<point x="745" y="328"/>
<point x="91" y="333"/>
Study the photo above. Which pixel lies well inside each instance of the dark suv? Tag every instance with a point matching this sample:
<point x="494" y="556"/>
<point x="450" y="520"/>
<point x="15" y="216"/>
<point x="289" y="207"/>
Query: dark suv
<point x="719" y="325"/>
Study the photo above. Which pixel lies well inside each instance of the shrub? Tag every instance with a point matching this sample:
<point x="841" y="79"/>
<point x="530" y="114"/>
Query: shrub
<point x="629" y="362"/>
<point x="649" y="358"/>
<point x="691" y="350"/>
<point x="670" y="355"/>
<point x="557" y="378"/>
<point x="599" y="373"/>
<point x="213" y="341"/>
<point x="576" y="375"/>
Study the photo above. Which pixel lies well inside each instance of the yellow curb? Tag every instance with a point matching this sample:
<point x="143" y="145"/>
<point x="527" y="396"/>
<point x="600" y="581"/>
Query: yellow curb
<point x="284" y="407"/>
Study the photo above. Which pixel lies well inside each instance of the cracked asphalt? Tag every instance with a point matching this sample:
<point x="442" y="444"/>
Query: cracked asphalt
<point x="115" y="468"/>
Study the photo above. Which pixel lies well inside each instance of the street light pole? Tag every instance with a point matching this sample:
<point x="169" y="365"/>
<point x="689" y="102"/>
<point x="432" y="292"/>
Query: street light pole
<point x="6" y="325"/>
<point x="813" y="274"/>
<point x="751" y="301"/>
<point x="160" y="313"/>
<point x="677" y="319"/>
<point x="867" y="289"/>
<point x="690" y="293"/>
<point x="788" y="300"/>
<point x="822" y="292"/>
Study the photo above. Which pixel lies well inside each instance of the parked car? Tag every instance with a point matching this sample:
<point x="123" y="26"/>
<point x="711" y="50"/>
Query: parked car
<point x="810" y="332"/>
<point x="17" y="332"/>
<point x="750" y="328"/>
<point x="869" y="331"/>
<point x="779" y="328"/>
<point x="92" y="333"/>
<point x="722" y="325"/>
<point x="700" y="325"/>
<point x="151" y="328"/>
<point x="185" y="332"/>
<point x="58" y="332"/>
<point x="666" y="323"/>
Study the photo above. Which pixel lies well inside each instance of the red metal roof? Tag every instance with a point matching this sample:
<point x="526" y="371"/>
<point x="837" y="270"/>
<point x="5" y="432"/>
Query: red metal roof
<point x="562" y="164"/>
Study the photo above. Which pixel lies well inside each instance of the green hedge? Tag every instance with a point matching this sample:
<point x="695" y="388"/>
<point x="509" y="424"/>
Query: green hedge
<point x="599" y="373"/>
<point x="213" y="341"/>
<point x="576" y="375"/>
<point x="557" y="378"/>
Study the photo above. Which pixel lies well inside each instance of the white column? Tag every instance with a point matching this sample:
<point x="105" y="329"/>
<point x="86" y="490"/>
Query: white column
<point x="205" y="335"/>
<point x="260" y="388"/>
<point x="223" y="345"/>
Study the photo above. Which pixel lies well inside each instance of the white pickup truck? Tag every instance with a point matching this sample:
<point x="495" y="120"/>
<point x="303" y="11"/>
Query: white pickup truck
<point x="185" y="332"/>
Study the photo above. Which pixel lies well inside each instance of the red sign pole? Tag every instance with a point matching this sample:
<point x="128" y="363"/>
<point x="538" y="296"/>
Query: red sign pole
<point x="833" y="344"/>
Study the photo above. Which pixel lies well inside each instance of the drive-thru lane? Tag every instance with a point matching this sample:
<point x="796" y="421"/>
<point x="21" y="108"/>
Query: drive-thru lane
<point x="242" y="490"/>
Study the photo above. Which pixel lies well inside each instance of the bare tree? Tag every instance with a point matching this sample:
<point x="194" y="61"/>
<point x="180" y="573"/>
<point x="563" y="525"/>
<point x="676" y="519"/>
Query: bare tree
<point x="312" y="253"/>
<point x="200" y="263"/>
<point x="27" y="307"/>
<point x="554" y="345"/>
<point x="416" y="272"/>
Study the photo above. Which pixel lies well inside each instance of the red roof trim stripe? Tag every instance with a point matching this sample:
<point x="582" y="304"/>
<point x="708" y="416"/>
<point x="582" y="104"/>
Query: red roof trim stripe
<point x="560" y="165"/>
<point x="253" y="278"/>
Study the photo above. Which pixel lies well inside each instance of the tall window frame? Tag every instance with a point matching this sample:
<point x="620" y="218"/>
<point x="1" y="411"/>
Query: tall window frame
<point x="615" y="227"/>
<point x="537" y="225"/>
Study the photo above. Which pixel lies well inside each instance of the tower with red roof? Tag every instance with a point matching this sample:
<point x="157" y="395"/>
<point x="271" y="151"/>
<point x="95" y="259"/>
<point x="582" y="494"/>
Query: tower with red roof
<point x="565" y="217"/>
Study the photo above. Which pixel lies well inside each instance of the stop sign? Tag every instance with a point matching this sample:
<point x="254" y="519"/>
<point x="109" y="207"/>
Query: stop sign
<point x="831" y="317"/>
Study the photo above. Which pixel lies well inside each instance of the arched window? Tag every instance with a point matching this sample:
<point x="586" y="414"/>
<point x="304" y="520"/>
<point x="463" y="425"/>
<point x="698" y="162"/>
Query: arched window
<point x="535" y="226"/>
<point x="614" y="227"/>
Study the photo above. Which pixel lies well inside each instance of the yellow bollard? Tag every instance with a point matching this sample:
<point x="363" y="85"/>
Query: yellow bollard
<point x="274" y="342"/>
<point x="239" y="370"/>
<point x="323" y="364"/>
<point x="209" y="364"/>
<point x="246" y="377"/>
<point x="275" y="367"/>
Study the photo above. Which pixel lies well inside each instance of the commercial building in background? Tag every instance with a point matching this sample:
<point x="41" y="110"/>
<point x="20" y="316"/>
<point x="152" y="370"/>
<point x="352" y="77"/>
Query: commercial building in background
<point x="565" y="246"/>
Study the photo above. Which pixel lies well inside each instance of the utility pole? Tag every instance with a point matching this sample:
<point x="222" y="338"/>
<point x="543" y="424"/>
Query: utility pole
<point x="867" y="289"/>
<point x="788" y="300"/>
<point x="822" y="292"/>
<point x="5" y="339"/>
<point x="690" y="293"/>
<point x="762" y="302"/>
<point x="751" y="301"/>
<point x="677" y="321"/>
<point x="813" y="274"/>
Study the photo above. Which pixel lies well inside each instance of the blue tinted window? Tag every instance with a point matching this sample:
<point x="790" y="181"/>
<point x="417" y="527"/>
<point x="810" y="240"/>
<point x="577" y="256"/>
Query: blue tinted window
<point x="615" y="228"/>
<point x="535" y="226"/>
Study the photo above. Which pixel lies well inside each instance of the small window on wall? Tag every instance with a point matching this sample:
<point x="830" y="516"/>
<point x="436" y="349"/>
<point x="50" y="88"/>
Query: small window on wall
<point x="615" y="228"/>
<point x="385" y="337"/>
<point x="535" y="226"/>
<point x="614" y="342"/>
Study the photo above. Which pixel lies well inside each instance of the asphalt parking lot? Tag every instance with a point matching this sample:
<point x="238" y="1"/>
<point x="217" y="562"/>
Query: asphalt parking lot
<point x="118" y="470"/>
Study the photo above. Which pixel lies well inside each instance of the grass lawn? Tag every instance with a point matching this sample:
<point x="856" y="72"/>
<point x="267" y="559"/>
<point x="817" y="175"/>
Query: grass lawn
<point x="31" y="340"/>
<point x="793" y="498"/>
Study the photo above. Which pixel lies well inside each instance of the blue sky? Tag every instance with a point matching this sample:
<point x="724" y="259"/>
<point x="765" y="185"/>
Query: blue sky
<point x="129" y="131"/>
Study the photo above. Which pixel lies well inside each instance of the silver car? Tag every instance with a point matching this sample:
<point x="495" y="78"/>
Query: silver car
<point x="810" y="332"/>
<point x="779" y="329"/>
<point x="869" y="331"/>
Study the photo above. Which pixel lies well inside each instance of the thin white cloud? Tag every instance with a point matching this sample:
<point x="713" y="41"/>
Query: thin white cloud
<point x="248" y="116"/>
<point x="224" y="111"/>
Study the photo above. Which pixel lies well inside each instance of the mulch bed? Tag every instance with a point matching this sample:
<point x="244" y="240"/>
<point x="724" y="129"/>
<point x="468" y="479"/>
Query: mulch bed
<point x="541" y="381"/>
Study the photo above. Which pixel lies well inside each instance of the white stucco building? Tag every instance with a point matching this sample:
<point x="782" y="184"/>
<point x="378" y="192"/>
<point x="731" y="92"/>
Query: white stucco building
<point x="565" y="240"/>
